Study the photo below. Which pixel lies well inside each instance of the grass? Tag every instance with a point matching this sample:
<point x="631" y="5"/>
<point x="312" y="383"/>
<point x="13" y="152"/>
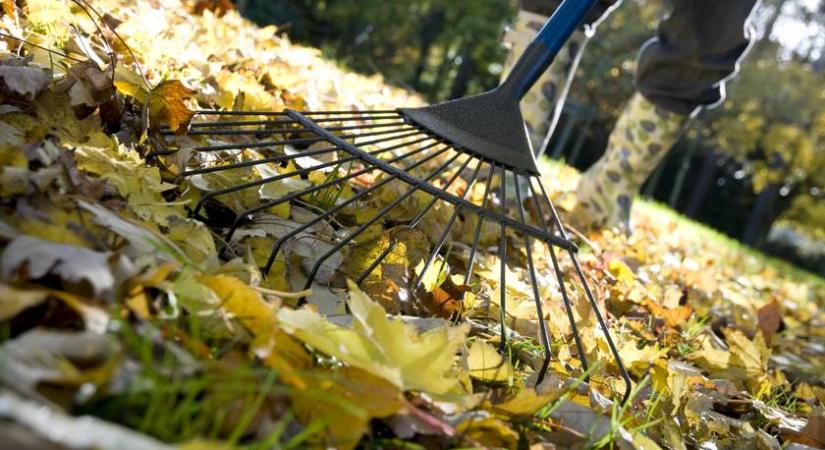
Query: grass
<point x="178" y="398"/>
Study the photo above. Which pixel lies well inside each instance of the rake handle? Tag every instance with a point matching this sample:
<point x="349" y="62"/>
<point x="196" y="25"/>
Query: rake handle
<point x="544" y="47"/>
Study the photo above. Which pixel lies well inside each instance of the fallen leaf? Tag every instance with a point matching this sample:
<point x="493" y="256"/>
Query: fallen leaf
<point x="67" y="431"/>
<point x="21" y="83"/>
<point x="30" y="258"/>
<point x="344" y="402"/>
<point x="485" y="363"/>
<point x="770" y="319"/>
<point x="14" y="300"/>
<point x="270" y="343"/>
<point x="388" y="348"/>
<point x="167" y="106"/>
<point x="66" y="359"/>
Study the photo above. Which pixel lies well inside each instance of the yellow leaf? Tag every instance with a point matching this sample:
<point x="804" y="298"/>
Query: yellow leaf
<point x="528" y="401"/>
<point x="388" y="348"/>
<point x="638" y="360"/>
<point x="489" y="432"/>
<point x="344" y="402"/>
<point x="487" y="364"/>
<point x="621" y="271"/>
<point x="14" y="300"/>
<point x="276" y="348"/>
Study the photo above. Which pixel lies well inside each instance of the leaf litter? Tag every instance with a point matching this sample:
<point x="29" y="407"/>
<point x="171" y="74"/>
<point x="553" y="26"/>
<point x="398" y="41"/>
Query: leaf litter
<point x="121" y="327"/>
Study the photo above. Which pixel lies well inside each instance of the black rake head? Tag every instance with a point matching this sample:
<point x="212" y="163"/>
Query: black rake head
<point x="437" y="155"/>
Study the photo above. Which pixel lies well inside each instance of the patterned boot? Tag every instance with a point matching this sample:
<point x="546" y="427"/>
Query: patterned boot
<point x="643" y="135"/>
<point x="537" y="106"/>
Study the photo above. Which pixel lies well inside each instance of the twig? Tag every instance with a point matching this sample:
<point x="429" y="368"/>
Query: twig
<point x="40" y="47"/>
<point x="299" y="294"/>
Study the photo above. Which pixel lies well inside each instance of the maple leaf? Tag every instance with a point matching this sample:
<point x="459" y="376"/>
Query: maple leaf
<point x="167" y="105"/>
<point x="20" y="82"/>
<point x="388" y="348"/>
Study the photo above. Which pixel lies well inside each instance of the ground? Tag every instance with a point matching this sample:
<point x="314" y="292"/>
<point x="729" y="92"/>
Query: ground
<point x="120" y="327"/>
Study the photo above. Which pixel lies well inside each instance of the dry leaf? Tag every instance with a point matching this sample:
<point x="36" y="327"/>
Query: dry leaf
<point x="167" y="106"/>
<point x="380" y="345"/>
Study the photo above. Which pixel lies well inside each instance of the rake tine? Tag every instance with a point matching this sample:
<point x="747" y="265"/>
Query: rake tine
<point x="236" y="123"/>
<point x="237" y="132"/>
<point x="374" y="219"/>
<point x="545" y="335"/>
<point x="267" y="180"/>
<point x="502" y="256"/>
<point x="432" y="190"/>
<point x="216" y="112"/>
<point x="311" y="189"/>
<point x="453" y="217"/>
<point x="296" y="231"/>
<point x="593" y="305"/>
<point x="309" y="140"/>
<point x="282" y="158"/>
<point x="413" y="223"/>
<point x="263" y="181"/>
<point x="477" y="233"/>
<point x="568" y="306"/>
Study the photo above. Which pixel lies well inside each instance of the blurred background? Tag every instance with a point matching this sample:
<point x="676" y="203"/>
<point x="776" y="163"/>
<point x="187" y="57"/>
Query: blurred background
<point x="753" y="169"/>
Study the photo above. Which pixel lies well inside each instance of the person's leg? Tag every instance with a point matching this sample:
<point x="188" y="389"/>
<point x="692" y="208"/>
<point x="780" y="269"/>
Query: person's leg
<point x="537" y="106"/>
<point x="684" y="68"/>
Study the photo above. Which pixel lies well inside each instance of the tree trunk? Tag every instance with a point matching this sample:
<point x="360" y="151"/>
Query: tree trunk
<point x="762" y="45"/>
<point x="702" y="185"/>
<point x="433" y="25"/>
<point x="462" y="77"/>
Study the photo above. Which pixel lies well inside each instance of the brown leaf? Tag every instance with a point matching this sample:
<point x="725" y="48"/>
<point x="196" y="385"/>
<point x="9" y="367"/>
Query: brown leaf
<point x="8" y="7"/>
<point x="446" y="300"/>
<point x="770" y="319"/>
<point x="167" y="105"/>
<point x="218" y="7"/>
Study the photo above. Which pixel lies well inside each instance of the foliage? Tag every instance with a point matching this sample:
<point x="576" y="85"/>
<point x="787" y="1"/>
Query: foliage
<point x="121" y="327"/>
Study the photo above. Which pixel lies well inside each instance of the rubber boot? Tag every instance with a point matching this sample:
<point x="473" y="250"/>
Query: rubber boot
<point x="643" y="135"/>
<point x="538" y="104"/>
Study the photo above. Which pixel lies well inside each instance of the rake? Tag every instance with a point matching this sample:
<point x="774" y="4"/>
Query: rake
<point x="473" y="142"/>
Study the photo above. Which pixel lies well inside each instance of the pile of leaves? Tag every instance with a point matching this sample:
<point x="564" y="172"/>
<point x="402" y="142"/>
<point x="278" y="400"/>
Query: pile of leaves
<point x="121" y="327"/>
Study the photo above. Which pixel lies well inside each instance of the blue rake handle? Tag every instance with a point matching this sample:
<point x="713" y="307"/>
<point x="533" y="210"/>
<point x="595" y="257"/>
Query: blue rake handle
<point x="547" y="43"/>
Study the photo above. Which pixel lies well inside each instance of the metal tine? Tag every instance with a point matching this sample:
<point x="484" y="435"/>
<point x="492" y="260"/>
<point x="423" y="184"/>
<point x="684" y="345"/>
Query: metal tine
<point x="235" y="123"/>
<point x="593" y="305"/>
<point x="412" y="224"/>
<point x="283" y="158"/>
<point x="375" y="218"/>
<point x="430" y="189"/>
<point x="477" y="233"/>
<point x="325" y="185"/>
<point x="269" y="131"/>
<point x="277" y="246"/>
<point x="545" y="334"/>
<point x="309" y="140"/>
<point x="263" y="181"/>
<point x="453" y="217"/>
<point x="217" y="112"/>
<point x="502" y="255"/>
<point x="568" y="305"/>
